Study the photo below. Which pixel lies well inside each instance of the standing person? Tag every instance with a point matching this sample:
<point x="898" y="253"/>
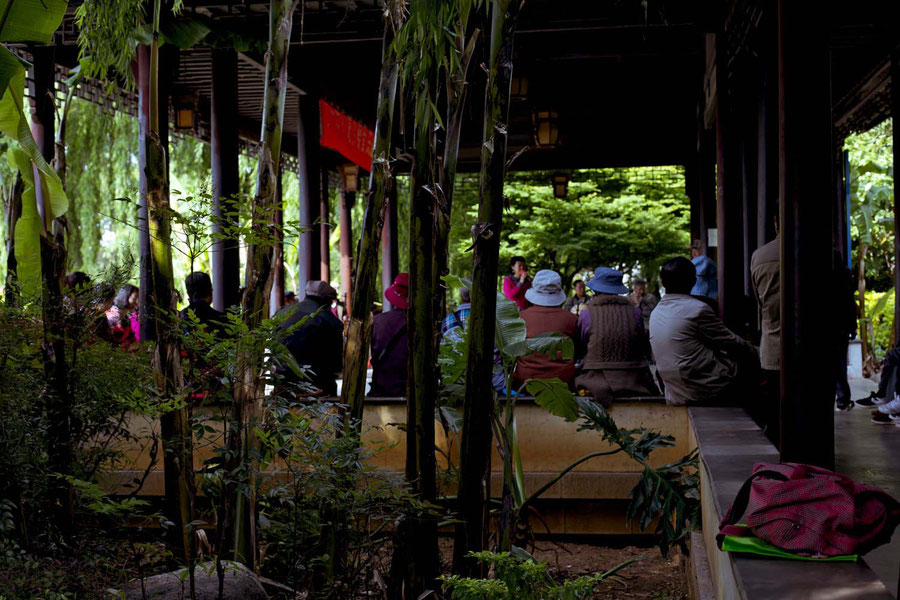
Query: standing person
<point x="390" y="347"/>
<point x="613" y="342"/>
<point x="577" y="303"/>
<point x="642" y="299"/>
<point x="844" y="330"/>
<point x="699" y="359"/>
<point x="765" y="273"/>
<point x="517" y="283"/>
<point x="318" y="342"/>
<point x="545" y="316"/>
<point x="707" y="285"/>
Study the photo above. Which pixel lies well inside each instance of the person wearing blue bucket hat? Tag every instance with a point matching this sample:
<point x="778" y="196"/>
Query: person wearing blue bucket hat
<point x="613" y="342"/>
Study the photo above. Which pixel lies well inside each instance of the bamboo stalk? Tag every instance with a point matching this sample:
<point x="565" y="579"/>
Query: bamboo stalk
<point x="475" y="448"/>
<point x="175" y="424"/>
<point x="13" y="212"/>
<point x="249" y="388"/>
<point x="359" y="329"/>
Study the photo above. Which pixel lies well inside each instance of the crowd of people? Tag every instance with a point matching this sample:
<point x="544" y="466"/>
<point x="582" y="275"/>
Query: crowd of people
<point x="629" y="343"/>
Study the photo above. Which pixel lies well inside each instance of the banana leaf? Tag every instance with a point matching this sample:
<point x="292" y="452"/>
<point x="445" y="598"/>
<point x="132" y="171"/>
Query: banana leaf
<point x="31" y="21"/>
<point x="554" y="396"/>
<point x="510" y="327"/>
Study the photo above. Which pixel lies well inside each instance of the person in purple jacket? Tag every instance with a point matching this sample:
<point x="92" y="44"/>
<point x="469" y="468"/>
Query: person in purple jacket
<point x="389" y="342"/>
<point x="516" y="284"/>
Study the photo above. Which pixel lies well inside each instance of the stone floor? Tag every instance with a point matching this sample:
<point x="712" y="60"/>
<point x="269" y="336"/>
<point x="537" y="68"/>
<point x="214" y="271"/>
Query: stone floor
<point x="864" y="451"/>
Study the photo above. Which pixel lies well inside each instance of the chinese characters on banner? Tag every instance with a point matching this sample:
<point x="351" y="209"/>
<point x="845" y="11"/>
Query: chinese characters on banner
<point x="345" y="135"/>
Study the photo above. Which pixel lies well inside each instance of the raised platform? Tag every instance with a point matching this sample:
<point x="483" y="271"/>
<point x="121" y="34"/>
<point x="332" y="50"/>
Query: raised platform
<point x="590" y="500"/>
<point x="730" y="444"/>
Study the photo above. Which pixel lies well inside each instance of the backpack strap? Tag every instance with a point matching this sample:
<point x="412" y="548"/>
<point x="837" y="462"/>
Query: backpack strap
<point x="739" y="506"/>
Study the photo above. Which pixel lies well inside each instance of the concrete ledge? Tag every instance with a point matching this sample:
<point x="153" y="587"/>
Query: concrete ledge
<point x="730" y="444"/>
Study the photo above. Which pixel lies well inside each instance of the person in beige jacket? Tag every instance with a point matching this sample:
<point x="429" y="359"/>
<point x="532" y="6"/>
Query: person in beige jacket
<point x="765" y="271"/>
<point x="699" y="359"/>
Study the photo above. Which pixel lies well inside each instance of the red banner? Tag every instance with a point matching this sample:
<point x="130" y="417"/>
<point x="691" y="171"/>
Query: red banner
<point x="347" y="136"/>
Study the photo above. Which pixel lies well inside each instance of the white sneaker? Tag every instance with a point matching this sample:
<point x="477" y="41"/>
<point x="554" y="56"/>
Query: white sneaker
<point x="892" y="407"/>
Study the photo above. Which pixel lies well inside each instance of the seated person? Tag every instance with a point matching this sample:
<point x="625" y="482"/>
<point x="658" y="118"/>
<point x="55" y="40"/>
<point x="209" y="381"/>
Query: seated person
<point x="390" y="342"/>
<point x="613" y="343"/>
<point x="545" y="316"/>
<point x="200" y="293"/>
<point x="699" y="359"/>
<point x="318" y="342"/>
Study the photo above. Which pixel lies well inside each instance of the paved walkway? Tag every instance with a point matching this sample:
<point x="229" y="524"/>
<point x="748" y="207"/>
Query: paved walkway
<point x="867" y="452"/>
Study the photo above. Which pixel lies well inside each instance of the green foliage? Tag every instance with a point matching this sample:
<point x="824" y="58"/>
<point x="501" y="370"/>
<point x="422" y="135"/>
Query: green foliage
<point x="518" y="577"/>
<point x="669" y="493"/>
<point x="106" y="385"/>
<point x="632" y="219"/>
<point x="880" y="314"/>
<point x="872" y="202"/>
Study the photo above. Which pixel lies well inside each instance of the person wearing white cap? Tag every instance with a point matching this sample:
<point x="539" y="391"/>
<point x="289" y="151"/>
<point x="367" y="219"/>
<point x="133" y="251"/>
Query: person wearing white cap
<point x="545" y="315"/>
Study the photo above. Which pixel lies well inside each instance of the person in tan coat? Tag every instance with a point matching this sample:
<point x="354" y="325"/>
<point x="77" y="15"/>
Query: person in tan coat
<point x="614" y="344"/>
<point x="545" y="316"/>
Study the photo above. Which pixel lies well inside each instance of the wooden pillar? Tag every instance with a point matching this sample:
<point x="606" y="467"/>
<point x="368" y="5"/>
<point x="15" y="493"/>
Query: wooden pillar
<point x="805" y="155"/>
<point x="389" y="252"/>
<point x="706" y="176"/>
<point x="310" y="247"/>
<point x="767" y="180"/>
<point x="43" y="100"/>
<point x="276" y="295"/>
<point x="226" y="261"/>
<point x="325" y="227"/>
<point x="349" y="176"/>
<point x="729" y="194"/>
<point x="691" y="188"/>
<point x="895" y="115"/>
<point x="749" y="174"/>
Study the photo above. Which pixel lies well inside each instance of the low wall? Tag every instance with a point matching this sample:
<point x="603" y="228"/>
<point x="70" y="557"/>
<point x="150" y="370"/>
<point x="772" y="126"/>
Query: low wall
<point x="591" y="499"/>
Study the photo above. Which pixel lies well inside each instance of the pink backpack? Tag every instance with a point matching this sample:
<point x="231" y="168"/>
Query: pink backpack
<point x="811" y="511"/>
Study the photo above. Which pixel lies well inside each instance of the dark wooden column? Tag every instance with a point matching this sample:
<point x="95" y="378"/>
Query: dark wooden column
<point x="345" y="206"/>
<point x="895" y="115"/>
<point x="389" y="253"/>
<point x="729" y="195"/>
<point x="767" y="180"/>
<point x="226" y="262"/>
<point x="805" y="151"/>
<point x="310" y="248"/>
<point x="706" y="176"/>
<point x="325" y="228"/>
<point x="692" y="189"/>
<point x="146" y="274"/>
<point x="43" y="101"/>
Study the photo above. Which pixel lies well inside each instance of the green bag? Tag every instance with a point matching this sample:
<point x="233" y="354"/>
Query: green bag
<point x="751" y="544"/>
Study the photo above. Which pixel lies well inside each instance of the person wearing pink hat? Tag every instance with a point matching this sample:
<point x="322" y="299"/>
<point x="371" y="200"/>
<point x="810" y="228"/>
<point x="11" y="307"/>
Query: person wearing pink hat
<point x="389" y="342"/>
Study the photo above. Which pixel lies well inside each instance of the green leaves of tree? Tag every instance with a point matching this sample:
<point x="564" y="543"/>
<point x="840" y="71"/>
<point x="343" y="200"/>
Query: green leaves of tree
<point x="554" y="396"/>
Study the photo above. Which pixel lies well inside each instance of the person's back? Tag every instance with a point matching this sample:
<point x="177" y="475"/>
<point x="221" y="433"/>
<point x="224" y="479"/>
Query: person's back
<point x="765" y="268"/>
<point x="390" y="343"/>
<point x="698" y="358"/>
<point x="545" y="316"/>
<point x="318" y="341"/>
<point x="613" y="342"/>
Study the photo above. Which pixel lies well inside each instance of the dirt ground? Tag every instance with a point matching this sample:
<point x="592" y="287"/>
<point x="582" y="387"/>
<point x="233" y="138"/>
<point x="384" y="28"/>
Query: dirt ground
<point x="653" y="577"/>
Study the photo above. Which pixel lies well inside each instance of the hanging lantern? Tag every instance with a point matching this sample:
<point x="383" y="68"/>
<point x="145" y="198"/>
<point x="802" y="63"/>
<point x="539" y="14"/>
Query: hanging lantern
<point x="546" y="127"/>
<point x="185" y="111"/>
<point x="560" y="185"/>
<point x="350" y="177"/>
<point x="518" y="89"/>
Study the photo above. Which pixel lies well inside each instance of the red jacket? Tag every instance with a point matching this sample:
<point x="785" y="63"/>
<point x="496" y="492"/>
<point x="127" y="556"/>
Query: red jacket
<point x="515" y="291"/>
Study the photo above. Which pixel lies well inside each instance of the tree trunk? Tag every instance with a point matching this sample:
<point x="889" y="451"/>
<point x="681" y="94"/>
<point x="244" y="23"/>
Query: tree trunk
<point x="175" y="428"/>
<point x="249" y="389"/>
<point x="474" y="484"/>
<point x="359" y="328"/>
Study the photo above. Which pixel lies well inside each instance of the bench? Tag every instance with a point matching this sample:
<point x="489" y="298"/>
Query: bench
<point x="730" y="444"/>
